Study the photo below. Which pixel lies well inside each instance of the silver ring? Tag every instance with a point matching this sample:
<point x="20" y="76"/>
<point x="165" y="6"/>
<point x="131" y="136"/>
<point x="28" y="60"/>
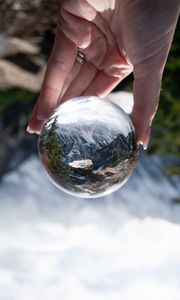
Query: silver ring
<point x="80" y="57"/>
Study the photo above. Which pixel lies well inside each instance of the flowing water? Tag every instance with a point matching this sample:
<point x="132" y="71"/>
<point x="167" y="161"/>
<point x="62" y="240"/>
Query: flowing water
<point x="124" y="246"/>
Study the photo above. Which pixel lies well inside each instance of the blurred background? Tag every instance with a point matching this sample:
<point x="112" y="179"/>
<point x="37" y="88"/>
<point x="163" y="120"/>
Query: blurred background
<point x="51" y="245"/>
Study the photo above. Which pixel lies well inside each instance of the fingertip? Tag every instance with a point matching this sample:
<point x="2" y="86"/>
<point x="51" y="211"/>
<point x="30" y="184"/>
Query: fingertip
<point x="145" y="147"/>
<point x="34" y="126"/>
<point x="33" y="131"/>
<point x="142" y="119"/>
<point x="30" y="130"/>
<point x="146" y="138"/>
<point x="139" y="129"/>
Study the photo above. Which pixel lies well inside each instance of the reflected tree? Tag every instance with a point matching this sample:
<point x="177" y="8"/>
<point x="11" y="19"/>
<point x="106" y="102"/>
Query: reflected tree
<point x="51" y="151"/>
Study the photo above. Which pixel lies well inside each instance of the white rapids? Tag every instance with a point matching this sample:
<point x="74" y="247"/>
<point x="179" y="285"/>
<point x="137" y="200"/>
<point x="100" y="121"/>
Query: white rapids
<point x="124" y="246"/>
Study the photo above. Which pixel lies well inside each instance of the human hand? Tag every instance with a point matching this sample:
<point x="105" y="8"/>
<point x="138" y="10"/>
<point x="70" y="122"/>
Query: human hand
<point x="116" y="37"/>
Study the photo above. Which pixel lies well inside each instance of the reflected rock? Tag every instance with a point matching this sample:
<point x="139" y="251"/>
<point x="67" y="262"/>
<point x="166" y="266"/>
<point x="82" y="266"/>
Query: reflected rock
<point x="88" y="147"/>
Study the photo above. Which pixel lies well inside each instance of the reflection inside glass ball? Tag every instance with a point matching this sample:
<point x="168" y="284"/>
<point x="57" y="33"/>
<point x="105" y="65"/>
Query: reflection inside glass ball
<point x="88" y="147"/>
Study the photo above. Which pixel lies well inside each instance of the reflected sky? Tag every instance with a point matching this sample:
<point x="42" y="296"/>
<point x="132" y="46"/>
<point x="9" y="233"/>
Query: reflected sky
<point x="88" y="147"/>
<point x="86" y="109"/>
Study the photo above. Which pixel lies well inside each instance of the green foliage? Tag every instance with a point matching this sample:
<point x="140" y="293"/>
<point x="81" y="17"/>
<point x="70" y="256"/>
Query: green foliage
<point x="8" y="97"/>
<point x="172" y="170"/>
<point x="176" y="201"/>
<point x="54" y="151"/>
<point x="166" y="126"/>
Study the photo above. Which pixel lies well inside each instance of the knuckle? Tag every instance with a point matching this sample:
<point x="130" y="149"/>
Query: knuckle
<point x="59" y="63"/>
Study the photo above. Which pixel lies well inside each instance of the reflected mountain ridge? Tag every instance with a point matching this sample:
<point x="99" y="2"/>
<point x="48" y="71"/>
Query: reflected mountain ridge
<point x="87" y="157"/>
<point x="89" y="139"/>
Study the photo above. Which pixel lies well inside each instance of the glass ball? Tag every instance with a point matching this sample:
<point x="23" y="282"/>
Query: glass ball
<point x="88" y="147"/>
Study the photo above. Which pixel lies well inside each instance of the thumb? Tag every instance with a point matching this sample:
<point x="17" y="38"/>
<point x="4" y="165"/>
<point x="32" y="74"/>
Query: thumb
<point x="148" y="70"/>
<point x="146" y="92"/>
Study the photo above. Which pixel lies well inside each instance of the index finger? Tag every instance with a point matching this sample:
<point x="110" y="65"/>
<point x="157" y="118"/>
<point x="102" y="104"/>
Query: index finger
<point x="59" y="65"/>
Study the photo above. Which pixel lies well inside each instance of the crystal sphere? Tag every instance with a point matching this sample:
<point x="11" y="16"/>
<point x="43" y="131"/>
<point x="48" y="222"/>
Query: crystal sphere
<point x="88" y="147"/>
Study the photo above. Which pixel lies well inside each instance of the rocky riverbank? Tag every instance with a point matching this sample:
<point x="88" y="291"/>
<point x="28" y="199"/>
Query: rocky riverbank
<point x="26" y="37"/>
<point x="27" y="31"/>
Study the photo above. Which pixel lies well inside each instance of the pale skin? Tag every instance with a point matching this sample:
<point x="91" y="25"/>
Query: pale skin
<point x="117" y="37"/>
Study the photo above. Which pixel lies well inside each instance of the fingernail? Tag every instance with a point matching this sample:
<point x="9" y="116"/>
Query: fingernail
<point x="38" y="132"/>
<point x="145" y="147"/>
<point x="29" y="130"/>
<point x="146" y="138"/>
